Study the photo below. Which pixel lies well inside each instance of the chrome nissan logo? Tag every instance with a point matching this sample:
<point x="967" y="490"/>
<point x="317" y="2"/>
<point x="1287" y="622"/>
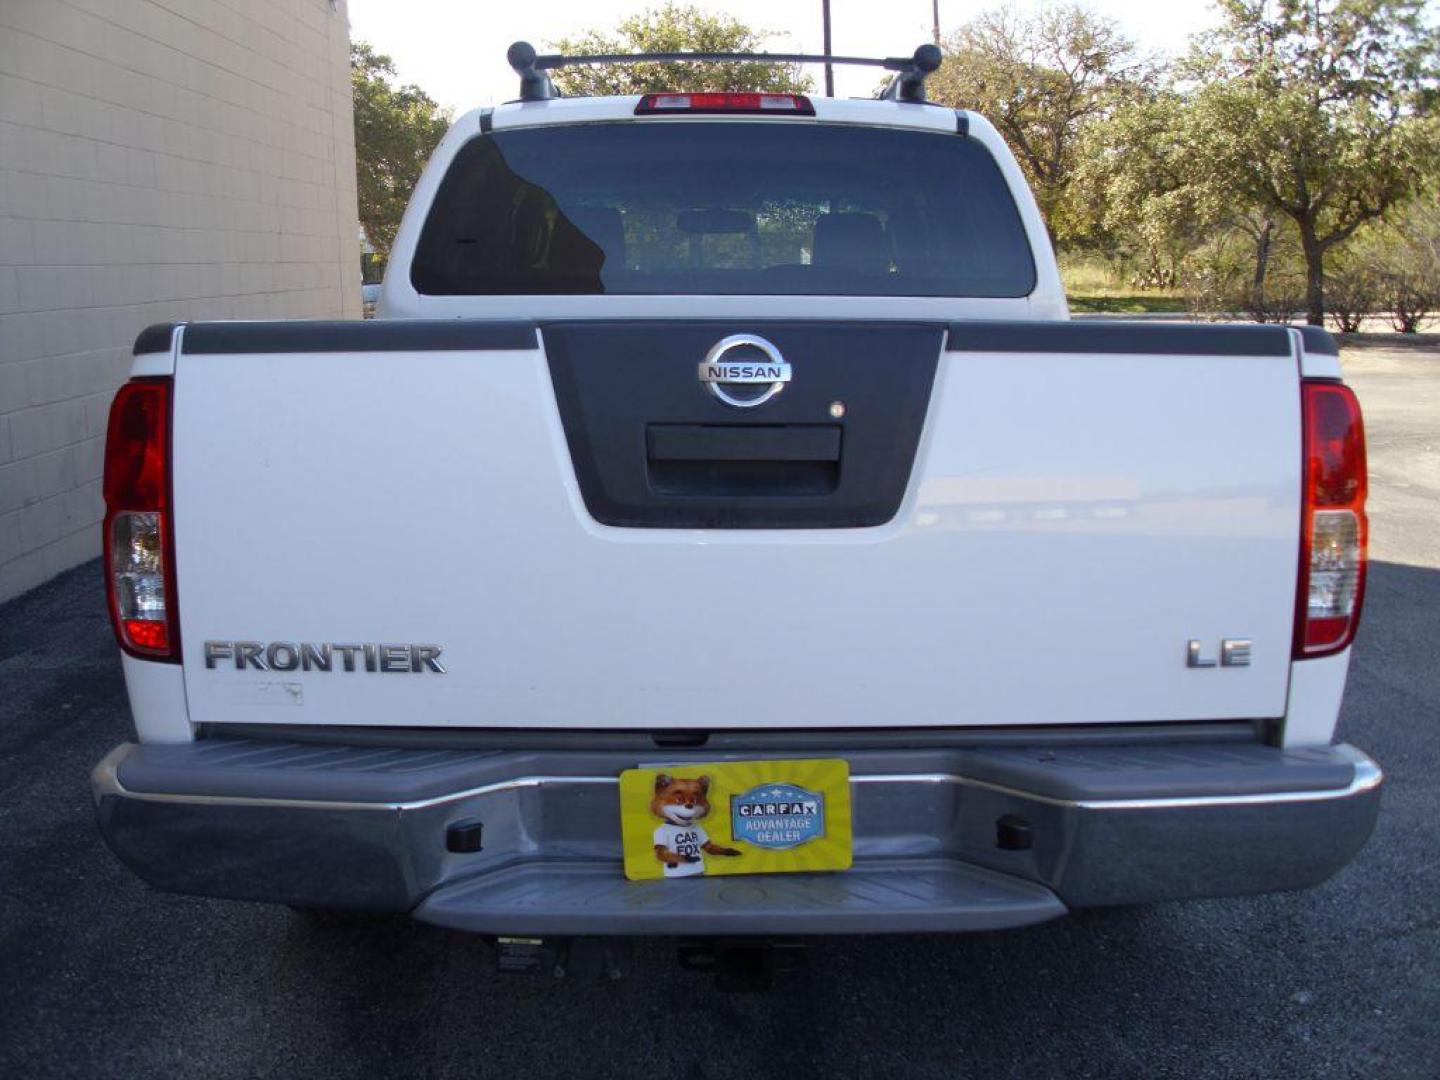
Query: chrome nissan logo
<point x="744" y="370"/>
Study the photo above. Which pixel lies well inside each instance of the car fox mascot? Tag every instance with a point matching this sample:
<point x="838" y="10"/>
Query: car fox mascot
<point x="680" y="843"/>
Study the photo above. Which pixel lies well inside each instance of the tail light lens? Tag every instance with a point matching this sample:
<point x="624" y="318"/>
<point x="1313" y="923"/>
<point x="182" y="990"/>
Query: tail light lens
<point x="779" y="104"/>
<point x="1334" y="528"/>
<point x="139" y="543"/>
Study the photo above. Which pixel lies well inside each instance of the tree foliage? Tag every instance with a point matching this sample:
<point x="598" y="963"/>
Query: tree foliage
<point x="1151" y="183"/>
<point x="674" y="28"/>
<point x="1044" y="80"/>
<point x="1313" y="110"/>
<point x="396" y="130"/>
<point x="1392" y="267"/>
<point x="1138" y="189"/>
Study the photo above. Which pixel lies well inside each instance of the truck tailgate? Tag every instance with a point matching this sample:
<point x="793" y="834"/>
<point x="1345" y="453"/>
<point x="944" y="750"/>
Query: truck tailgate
<point x="1010" y="523"/>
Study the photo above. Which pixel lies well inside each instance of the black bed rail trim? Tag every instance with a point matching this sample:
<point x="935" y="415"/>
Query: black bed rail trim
<point x="401" y="335"/>
<point x="1099" y="336"/>
<point x="1319" y="340"/>
<point x="155" y="338"/>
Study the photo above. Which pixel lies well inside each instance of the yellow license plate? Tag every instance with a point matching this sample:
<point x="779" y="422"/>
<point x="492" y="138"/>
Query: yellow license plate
<point x="735" y="817"/>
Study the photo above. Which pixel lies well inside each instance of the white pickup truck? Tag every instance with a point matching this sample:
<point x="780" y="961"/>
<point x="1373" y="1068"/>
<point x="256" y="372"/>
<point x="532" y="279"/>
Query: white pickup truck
<point x="698" y="430"/>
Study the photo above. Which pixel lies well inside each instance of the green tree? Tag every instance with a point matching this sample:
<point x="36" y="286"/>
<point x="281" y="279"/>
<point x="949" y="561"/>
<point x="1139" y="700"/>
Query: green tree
<point x="674" y="28"/>
<point x="396" y="130"/>
<point x="1390" y="267"/>
<point x="1146" y="173"/>
<point x="1043" y="80"/>
<point x="1404" y="255"/>
<point x="1136" y="188"/>
<point x="1314" y="110"/>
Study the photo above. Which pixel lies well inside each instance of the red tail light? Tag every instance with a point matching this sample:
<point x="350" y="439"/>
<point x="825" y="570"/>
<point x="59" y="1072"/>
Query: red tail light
<point x="139" y="542"/>
<point x="778" y="104"/>
<point x="1333" y="527"/>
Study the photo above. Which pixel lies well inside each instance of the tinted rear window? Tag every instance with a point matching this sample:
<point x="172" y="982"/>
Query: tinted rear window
<point x="677" y="207"/>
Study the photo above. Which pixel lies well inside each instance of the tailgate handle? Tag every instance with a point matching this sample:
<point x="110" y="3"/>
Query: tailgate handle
<point x="742" y="461"/>
<point x="749" y="442"/>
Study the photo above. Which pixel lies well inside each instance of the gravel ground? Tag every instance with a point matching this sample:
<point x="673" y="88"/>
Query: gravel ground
<point x="103" y="977"/>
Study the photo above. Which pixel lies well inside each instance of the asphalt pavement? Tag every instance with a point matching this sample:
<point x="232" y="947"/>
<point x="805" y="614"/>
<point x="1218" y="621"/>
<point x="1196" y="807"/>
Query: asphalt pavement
<point x="101" y="976"/>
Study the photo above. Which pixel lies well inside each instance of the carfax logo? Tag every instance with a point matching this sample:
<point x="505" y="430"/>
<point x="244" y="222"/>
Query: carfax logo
<point x="777" y="816"/>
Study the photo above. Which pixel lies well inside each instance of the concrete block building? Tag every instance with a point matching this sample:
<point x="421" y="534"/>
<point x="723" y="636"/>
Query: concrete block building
<point x="159" y="160"/>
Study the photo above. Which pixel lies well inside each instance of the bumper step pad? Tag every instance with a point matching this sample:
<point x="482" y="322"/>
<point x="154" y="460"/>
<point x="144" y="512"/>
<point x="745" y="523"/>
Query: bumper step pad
<point x="900" y="895"/>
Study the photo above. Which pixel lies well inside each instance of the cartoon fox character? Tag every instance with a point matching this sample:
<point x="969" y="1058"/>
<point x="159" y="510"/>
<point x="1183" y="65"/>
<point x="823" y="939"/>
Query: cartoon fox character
<point x="679" y="842"/>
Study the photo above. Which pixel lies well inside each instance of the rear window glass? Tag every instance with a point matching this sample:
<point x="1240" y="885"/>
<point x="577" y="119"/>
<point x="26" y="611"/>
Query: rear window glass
<point x="684" y="207"/>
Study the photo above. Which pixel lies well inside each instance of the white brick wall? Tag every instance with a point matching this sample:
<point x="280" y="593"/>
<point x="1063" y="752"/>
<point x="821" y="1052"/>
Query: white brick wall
<point x="159" y="160"/>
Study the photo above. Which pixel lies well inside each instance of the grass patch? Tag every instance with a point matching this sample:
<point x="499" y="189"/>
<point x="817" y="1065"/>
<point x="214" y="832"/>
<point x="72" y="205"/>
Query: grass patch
<point x="1090" y="276"/>
<point x="1102" y="287"/>
<point x="1133" y="303"/>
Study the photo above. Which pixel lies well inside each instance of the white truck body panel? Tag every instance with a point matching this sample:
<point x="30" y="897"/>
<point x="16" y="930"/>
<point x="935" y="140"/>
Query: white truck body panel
<point x="1070" y="523"/>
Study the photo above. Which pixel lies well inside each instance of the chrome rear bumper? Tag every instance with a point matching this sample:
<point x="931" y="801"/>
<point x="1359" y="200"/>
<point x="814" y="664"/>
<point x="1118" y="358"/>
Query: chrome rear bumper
<point x="361" y="826"/>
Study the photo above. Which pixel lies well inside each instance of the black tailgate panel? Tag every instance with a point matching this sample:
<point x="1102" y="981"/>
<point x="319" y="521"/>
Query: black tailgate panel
<point x="653" y="448"/>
